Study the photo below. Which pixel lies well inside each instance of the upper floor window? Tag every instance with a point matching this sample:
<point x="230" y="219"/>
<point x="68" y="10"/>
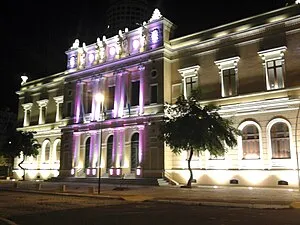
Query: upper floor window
<point x="189" y="79"/>
<point x="274" y="67"/>
<point x="153" y="93"/>
<point x="228" y="73"/>
<point x="135" y="93"/>
<point x="111" y="97"/>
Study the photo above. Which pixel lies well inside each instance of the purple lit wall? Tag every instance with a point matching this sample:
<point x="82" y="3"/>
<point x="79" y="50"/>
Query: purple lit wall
<point x="142" y="90"/>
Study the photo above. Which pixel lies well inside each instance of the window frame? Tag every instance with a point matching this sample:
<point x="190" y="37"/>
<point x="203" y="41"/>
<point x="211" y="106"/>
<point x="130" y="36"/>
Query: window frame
<point x="228" y="64"/>
<point x="240" y="140"/>
<point x="189" y="72"/>
<point x="285" y="162"/>
<point x="273" y="55"/>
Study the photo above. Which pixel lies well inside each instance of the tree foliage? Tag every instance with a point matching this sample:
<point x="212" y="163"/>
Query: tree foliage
<point x="20" y="143"/>
<point x="190" y="126"/>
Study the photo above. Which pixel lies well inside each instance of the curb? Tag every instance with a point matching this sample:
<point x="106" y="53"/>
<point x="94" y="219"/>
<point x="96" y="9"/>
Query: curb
<point x="226" y="204"/>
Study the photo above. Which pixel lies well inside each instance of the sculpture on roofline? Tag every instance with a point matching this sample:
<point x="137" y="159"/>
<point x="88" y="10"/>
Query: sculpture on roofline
<point x="101" y="47"/>
<point x="75" y="44"/>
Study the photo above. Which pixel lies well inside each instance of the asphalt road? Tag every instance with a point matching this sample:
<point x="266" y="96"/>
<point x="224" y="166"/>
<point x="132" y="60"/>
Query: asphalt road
<point x="25" y="209"/>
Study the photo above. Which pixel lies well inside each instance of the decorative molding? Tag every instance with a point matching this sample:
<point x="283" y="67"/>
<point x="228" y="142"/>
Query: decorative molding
<point x="42" y="103"/>
<point x="27" y="106"/>
<point x="189" y="71"/>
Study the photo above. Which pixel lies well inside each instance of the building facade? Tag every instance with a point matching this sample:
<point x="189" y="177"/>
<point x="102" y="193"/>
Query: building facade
<point x="102" y="115"/>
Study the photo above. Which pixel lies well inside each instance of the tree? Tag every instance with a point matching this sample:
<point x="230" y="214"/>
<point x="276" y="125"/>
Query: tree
<point x="189" y="126"/>
<point x="20" y="143"/>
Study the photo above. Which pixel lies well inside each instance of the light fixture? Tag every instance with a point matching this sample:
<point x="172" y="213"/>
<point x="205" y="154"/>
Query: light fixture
<point x="112" y="51"/>
<point x="135" y="44"/>
<point x="154" y="36"/>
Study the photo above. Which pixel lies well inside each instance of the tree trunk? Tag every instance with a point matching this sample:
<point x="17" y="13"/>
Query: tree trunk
<point x="22" y="168"/>
<point x="189" y="183"/>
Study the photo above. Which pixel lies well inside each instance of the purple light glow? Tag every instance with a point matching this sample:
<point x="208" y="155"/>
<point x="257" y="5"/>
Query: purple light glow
<point x="91" y="58"/>
<point x="141" y="97"/>
<point x="112" y="51"/>
<point x="135" y="44"/>
<point x="155" y="36"/>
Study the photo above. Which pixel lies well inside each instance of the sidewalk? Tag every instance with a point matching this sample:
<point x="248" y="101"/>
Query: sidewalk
<point x="199" y="195"/>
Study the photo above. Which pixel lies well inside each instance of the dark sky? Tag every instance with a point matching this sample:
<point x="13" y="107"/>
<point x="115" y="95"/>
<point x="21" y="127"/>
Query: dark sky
<point x="35" y="34"/>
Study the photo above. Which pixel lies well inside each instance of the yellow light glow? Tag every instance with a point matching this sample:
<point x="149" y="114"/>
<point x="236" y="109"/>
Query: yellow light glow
<point x="255" y="177"/>
<point x="221" y="34"/>
<point x="99" y="97"/>
<point x="243" y="28"/>
<point x="250" y="188"/>
<point x="277" y="18"/>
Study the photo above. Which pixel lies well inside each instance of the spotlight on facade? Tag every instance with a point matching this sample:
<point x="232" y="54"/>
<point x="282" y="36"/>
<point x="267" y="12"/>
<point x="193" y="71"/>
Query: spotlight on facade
<point x="99" y="97"/>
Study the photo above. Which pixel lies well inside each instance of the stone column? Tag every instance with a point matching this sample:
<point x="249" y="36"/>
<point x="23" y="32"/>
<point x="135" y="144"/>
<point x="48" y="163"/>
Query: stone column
<point x="58" y="100"/>
<point x="142" y="89"/>
<point x="122" y="95"/>
<point x="95" y="103"/>
<point x="118" y="77"/>
<point x="76" y="149"/>
<point x="141" y="144"/>
<point x="42" y="104"/>
<point x="115" y="148"/>
<point x="78" y="102"/>
<point x="26" y="107"/>
<point x="121" y="142"/>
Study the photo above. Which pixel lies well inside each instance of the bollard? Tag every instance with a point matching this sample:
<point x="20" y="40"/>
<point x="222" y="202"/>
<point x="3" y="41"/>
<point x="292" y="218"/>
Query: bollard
<point x="39" y="186"/>
<point x="16" y="185"/>
<point x="63" y="188"/>
<point x="91" y="190"/>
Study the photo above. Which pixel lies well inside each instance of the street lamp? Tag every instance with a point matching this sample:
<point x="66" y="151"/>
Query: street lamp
<point x="100" y="99"/>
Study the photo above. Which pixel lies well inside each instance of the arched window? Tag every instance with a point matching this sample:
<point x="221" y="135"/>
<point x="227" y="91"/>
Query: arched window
<point x="57" y="151"/>
<point x="109" y="150"/>
<point x="87" y="152"/>
<point x="45" y="153"/>
<point x="280" y="141"/>
<point x="134" y="151"/>
<point x="250" y="142"/>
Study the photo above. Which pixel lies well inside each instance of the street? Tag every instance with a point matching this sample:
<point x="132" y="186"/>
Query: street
<point x="26" y="208"/>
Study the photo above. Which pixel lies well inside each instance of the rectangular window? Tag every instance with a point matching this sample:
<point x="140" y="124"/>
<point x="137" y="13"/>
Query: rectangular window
<point x="60" y="105"/>
<point x="191" y="83"/>
<point x="28" y="115"/>
<point x="135" y="93"/>
<point x="229" y="82"/>
<point x="153" y="93"/>
<point x="275" y="74"/>
<point x="111" y="97"/>
<point x="89" y="100"/>
<point x="44" y="114"/>
<point x="68" y="109"/>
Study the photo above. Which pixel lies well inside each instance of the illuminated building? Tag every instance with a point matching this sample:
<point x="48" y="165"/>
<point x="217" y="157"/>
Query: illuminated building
<point x="249" y="68"/>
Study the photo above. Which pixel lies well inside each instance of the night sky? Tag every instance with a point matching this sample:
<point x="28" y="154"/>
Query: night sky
<point x="36" y="34"/>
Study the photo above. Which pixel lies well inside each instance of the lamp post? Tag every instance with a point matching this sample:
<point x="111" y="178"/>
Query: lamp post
<point x="100" y="99"/>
